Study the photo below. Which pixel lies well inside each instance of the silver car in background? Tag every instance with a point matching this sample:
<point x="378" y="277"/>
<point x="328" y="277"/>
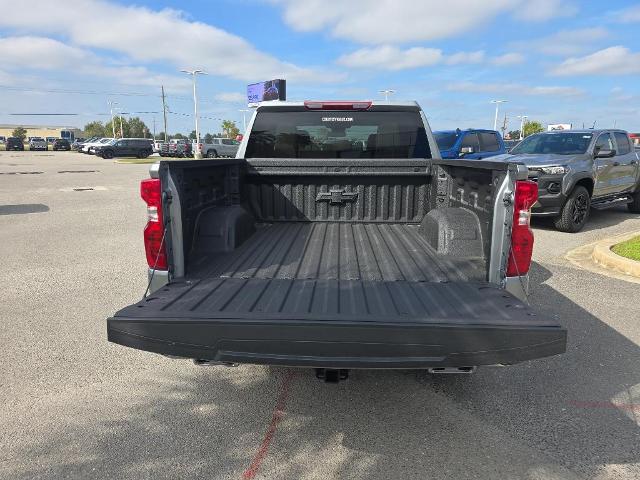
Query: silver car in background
<point x="38" y="143"/>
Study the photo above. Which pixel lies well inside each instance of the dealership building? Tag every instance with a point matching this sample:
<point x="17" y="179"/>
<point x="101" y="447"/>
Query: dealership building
<point x="42" y="131"/>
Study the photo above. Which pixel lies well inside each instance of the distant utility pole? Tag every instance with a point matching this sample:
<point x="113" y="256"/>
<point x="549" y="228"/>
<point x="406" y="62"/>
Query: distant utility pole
<point x="386" y="93"/>
<point x="154" y="127"/>
<point x="121" y="129"/>
<point x="244" y="119"/>
<point x="164" y="112"/>
<point x="495" y="118"/>
<point x="113" y="124"/>
<point x="523" y="120"/>
<point x="504" y="125"/>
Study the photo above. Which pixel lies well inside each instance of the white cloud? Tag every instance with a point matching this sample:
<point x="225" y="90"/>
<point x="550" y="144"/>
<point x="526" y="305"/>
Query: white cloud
<point x="565" y="42"/>
<point x="616" y="60"/>
<point x="388" y="57"/>
<point x="41" y="53"/>
<point x="230" y="97"/>
<point x="400" y="21"/>
<point x="628" y="15"/>
<point x="507" y="59"/>
<point x="391" y="58"/>
<point x="465" y="58"/>
<point x="515" y="88"/>
<point x="541" y="10"/>
<point x="149" y="36"/>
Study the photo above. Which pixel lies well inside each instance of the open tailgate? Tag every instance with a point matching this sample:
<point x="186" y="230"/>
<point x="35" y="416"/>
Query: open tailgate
<point x="337" y="323"/>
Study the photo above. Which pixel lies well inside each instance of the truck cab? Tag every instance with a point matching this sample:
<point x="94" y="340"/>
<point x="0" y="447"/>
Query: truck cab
<point x="471" y="144"/>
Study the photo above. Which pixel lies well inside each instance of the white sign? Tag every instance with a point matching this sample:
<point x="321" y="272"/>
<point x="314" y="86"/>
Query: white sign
<point x="558" y="126"/>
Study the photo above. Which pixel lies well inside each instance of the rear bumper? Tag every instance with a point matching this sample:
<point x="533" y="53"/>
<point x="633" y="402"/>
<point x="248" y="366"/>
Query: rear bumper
<point x="338" y="344"/>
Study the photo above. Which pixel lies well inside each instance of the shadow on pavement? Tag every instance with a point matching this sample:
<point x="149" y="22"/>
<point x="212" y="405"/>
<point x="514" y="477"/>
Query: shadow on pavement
<point x="527" y="421"/>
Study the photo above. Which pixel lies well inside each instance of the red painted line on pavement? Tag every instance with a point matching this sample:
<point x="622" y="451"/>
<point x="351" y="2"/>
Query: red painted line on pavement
<point x="278" y="413"/>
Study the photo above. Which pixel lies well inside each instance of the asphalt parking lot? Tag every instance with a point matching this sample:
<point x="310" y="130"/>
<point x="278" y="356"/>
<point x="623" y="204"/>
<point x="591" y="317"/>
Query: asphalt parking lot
<point x="75" y="406"/>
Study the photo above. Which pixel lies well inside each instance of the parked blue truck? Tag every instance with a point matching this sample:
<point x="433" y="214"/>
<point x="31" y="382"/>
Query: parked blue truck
<point x="472" y="144"/>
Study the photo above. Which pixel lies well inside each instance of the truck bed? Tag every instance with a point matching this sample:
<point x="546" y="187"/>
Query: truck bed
<point x="326" y="294"/>
<point x="339" y="251"/>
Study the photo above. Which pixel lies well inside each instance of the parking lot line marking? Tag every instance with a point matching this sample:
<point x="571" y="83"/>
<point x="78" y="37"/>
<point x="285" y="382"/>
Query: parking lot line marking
<point x="278" y="413"/>
<point x="83" y="188"/>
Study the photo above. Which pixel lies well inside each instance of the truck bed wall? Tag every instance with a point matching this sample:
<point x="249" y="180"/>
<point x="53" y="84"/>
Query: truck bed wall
<point x="452" y="201"/>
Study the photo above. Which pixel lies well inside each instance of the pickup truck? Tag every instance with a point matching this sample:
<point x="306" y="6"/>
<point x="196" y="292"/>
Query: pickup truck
<point x="577" y="170"/>
<point x="337" y="239"/>
<point x="38" y="143"/>
<point x="471" y="144"/>
<point x="177" y="147"/>
<point x="219" y="147"/>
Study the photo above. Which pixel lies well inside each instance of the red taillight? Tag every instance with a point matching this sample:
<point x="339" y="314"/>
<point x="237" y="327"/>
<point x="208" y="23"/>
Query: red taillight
<point x="151" y="193"/>
<point x="341" y="105"/>
<point x="521" y="234"/>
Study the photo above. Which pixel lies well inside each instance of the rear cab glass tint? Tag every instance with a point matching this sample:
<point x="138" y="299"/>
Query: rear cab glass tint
<point x="489" y="141"/>
<point x="376" y="133"/>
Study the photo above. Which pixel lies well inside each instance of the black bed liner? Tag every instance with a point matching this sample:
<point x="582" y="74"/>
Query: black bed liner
<point x="337" y="295"/>
<point x="338" y="251"/>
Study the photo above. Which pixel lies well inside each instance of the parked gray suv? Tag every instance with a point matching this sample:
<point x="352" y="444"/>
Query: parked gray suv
<point x="577" y="170"/>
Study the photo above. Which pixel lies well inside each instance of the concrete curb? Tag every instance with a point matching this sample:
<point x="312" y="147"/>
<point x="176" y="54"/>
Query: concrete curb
<point x="603" y="256"/>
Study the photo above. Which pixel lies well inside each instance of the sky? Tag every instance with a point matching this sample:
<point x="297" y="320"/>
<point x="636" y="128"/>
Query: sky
<point x="555" y="61"/>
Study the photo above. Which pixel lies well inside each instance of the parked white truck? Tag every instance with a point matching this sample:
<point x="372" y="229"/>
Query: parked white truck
<point x="337" y="239"/>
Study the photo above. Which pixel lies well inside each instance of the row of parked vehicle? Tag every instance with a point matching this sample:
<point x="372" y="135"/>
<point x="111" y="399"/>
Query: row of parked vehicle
<point x="143" y="147"/>
<point x="36" y="143"/>
<point x="115" y="147"/>
<point x="217" y="147"/>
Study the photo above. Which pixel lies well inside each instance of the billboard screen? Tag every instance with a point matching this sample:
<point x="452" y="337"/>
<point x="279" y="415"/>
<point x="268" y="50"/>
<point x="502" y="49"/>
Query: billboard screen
<point x="558" y="126"/>
<point x="264" y="91"/>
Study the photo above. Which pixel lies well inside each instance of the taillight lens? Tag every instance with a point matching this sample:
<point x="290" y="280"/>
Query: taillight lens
<point x="521" y="235"/>
<point x="154" y="246"/>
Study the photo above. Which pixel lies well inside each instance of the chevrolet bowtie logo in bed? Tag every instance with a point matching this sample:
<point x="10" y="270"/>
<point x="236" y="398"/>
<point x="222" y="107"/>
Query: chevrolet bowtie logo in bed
<point x="336" y="197"/>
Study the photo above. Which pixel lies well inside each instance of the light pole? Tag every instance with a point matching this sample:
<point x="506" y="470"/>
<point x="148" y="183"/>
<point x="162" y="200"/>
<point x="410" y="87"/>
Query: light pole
<point x="121" y="129"/>
<point x="197" y="154"/>
<point x="244" y="119"/>
<point x="495" y="119"/>
<point x="523" y="120"/>
<point x="113" y="124"/>
<point x="387" y="92"/>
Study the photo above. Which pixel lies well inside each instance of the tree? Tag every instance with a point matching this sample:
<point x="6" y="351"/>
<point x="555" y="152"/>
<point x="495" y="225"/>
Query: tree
<point x="192" y="135"/>
<point x="532" y="127"/>
<point x="208" y="138"/>
<point x="178" y="136"/>
<point x="160" y="136"/>
<point x="94" y="129"/>
<point x="137" y="128"/>
<point x="20" y="132"/>
<point x="116" y="120"/>
<point x="230" y="129"/>
<point x="514" y="134"/>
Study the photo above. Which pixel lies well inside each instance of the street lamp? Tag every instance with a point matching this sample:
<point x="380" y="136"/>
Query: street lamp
<point x="495" y="119"/>
<point x="523" y="120"/>
<point x="387" y="92"/>
<point x="193" y="74"/>
<point x="244" y="119"/>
